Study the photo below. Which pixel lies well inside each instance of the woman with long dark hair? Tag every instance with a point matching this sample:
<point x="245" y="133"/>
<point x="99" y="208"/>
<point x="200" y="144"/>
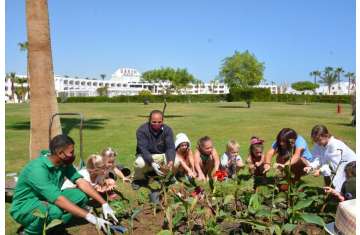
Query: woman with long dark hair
<point x="291" y="149"/>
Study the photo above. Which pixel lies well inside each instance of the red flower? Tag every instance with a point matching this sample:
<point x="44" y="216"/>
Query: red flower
<point x="221" y="175"/>
<point x="197" y="191"/>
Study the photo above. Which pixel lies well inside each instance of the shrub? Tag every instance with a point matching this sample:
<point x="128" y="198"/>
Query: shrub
<point x="257" y="94"/>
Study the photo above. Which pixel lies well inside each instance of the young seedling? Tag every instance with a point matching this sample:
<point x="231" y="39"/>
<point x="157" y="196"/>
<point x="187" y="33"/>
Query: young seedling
<point x="44" y="216"/>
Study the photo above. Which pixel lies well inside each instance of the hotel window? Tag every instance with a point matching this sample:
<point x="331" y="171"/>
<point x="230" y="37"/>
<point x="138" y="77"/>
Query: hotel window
<point x="65" y="81"/>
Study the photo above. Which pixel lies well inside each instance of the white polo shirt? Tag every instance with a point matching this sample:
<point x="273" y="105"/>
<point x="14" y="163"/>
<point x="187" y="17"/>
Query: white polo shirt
<point x="330" y="156"/>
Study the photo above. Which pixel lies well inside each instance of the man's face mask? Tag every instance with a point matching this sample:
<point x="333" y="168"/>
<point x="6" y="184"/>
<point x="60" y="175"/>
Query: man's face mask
<point x="156" y="125"/>
<point x="68" y="159"/>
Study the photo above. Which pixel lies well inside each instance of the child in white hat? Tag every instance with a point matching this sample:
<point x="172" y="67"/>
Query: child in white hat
<point x="184" y="160"/>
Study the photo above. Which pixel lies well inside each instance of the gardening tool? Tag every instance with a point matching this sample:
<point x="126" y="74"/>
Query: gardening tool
<point x="82" y="162"/>
<point x="117" y="228"/>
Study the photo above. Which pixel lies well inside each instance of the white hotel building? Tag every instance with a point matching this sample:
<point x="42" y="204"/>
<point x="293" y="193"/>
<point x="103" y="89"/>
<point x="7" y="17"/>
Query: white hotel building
<point x="127" y="81"/>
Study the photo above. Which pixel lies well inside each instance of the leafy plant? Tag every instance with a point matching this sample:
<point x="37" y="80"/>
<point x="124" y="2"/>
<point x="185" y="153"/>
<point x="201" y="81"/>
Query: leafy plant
<point x="44" y="216"/>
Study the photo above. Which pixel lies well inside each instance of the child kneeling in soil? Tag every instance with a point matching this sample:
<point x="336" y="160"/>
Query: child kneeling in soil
<point x="184" y="159"/>
<point x="94" y="173"/>
<point x="348" y="188"/>
<point x="256" y="157"/>
<point x="231" y="161"/>
<point x="114" y="170"/>
<point x="206" y="159"/>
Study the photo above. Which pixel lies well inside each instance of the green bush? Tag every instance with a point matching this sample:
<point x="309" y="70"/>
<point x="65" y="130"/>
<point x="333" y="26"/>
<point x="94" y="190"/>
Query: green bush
<point x="152" y="99"/>
<point x="257" y="94"/>
<point x="344" y="99"/>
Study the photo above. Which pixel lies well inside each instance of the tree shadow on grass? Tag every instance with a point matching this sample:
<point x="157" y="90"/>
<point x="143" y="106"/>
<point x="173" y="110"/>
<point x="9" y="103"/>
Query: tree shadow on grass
<point x="297" y="103"/>
<point x="345" y="124"/>
<point x="67" y="124"/>
<point x="232" y="107"/>
<point x="166" y="116"/>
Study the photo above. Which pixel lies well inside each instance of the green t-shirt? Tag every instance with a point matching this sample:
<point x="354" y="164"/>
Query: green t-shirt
<point x="40" y="180"/>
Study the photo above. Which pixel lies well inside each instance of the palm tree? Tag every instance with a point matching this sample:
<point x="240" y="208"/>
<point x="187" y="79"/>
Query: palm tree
<point x="43" y="103"/>
<point x="12" y="77"/>
<point x="23" y="46"/>
<point x="21" y="91"/>
<point x="329" y="77"/>
<point x="351" y="77"/>
<point x="315" y="73"/>
<point x="338" y="72"/>
<point x="103" y="76"/>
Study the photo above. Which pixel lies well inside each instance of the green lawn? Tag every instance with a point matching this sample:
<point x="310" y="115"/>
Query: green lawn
<point x="115" y="125"/>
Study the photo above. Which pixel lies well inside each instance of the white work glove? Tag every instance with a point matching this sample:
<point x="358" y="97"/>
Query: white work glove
<point x="156" y="168"/>
<point x="108" y="211"/>
<point x="98" y="222"/>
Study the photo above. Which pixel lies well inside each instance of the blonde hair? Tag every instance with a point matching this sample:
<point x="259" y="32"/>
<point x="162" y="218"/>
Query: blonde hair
<point x="94" y="162"/>
<point x="232" y="145"/>
<point x="108" y="153"/>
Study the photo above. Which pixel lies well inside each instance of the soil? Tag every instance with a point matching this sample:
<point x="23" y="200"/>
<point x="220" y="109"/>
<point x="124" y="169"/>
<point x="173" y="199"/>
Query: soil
<point x="308" y="229"/>
<point x="147" y="223"/>
<point x="144" y="223"/>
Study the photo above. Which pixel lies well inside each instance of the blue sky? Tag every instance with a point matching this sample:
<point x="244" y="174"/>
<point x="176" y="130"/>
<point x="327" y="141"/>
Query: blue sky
<point x="89" y="38"/>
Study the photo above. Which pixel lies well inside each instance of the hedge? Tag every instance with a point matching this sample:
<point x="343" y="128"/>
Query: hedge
<point x="344" y="99"/>
<point x="260" y="95"/>
<point x="140" y="99"/>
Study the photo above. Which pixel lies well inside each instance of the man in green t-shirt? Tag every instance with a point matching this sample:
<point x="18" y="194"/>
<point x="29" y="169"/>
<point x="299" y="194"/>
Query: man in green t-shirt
<point x="39" y="184"/>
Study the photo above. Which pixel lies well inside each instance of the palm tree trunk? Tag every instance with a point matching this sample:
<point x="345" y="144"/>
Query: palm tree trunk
<point x="43" y="103"/>
<point x="12" y="90"/>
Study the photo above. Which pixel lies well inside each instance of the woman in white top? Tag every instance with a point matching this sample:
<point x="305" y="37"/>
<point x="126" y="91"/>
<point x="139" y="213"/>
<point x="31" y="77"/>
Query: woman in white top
<point x="330" y="155"/>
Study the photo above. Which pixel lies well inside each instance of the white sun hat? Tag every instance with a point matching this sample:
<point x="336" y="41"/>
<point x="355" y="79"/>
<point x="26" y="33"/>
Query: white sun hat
<point x="181" y="138"/>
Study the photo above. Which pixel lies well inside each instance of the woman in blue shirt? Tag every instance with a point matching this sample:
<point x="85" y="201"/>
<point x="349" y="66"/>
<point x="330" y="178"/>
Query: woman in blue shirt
<point x="291" y="149"/>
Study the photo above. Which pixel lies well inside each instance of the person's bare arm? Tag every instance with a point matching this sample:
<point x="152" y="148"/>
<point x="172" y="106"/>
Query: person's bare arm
<point x="268" y="157"/>
<point x="120" y="174"/>
<point x="185" y="166"/>
<point x="216" y="162"/>
<point x="85" y="186"/>
<point x="197" y="160"/>
<point x="296" y="157"/>
<point x="239" y="164"/>
<point x="191" y="160"/>
<point x="335" y="193"/>
<point x="70" y="207"/>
